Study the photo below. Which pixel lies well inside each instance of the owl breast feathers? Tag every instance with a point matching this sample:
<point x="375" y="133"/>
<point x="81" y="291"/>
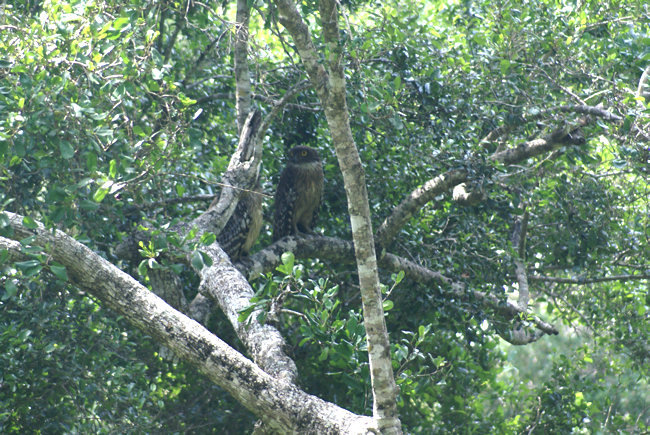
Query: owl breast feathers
<point x="298" y="195"/>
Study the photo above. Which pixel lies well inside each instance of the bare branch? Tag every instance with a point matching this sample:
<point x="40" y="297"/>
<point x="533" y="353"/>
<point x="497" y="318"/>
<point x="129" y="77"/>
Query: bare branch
<point x="414" y="201"/>
<point x="541" y="114"/>
<point x="242" y="173"/>
<point x="180" y="200"/>
<point x="519" y="243"/>
<point x="279" y="104"/>
<point x="442" y="183"/>
<point x="580" y="280"/>
<point x="223" y="283"/>
<point x="291" y="19"/>
<point x="263" y="98"/>
<point x="181" y="20"/>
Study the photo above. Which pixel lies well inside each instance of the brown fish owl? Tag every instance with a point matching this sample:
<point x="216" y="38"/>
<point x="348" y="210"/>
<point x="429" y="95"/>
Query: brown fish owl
<point x="298" y="195"/>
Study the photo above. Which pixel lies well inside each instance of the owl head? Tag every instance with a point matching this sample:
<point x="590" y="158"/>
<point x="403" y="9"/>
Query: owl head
<point x="303" y="154"/>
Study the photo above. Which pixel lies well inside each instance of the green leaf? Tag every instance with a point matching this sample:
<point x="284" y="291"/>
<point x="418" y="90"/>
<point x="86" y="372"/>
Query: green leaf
<point x="112" y="168"/>
<point x="504" y="65"/>
<point x="142" y="268"/>
<point x="388" y="305"/>
<point x="59" y="272"/>
<point x="101" y="192"/>
<point x="323" y="354"/>
<point x="30" y="223"/>
<point x="85" y="204"/>
<point x="66" y="149"/>
<point x="186" y="100"/>
<point x="137" y="130"/>
<point x="245" y="313"/>
<point x="120" y="23"/>
<point x="207" y="260"/>
<point x="153" y="86"/>
<point x="10" y="289"/>
<point x="197" y="260"/>
<point x="288" y="259"/>
<point x="25" y="265"/>
<point x="208" y="238"/>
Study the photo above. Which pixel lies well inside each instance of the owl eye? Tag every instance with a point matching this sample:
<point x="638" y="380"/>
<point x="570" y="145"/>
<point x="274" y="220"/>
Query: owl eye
<point x="303" y="153"/>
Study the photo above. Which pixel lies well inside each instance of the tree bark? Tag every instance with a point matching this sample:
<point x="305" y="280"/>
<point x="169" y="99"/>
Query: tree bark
<point x="242" y="75"/>
<point x="330" y="87"/>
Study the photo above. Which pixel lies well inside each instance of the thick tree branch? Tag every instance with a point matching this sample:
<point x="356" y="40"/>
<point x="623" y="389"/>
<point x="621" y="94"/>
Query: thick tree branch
<point x="242" y="173"/>
<point x="282" y="406"/>
<point x="264" y="343"/>
<point x="414" y="202"/>
<point x="291" y="19"/>
<point x="223" y="283"/>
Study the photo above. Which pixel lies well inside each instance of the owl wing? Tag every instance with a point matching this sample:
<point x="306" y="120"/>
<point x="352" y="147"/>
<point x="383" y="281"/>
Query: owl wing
<point x="319" y="194"/>
<point x="285" y="201"/>
<point x="243" y="227"/>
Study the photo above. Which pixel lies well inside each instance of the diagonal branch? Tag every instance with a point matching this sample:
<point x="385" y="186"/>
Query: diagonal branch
<point x="541" y="114"/>
<point x="282" y="406"/>
<point x="388" y="230"/>
<point x="414" y="202"/>
<point x="291" y="19"/>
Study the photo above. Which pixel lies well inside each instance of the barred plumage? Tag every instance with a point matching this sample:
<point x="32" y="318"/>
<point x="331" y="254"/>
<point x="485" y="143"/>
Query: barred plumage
<point x="241" y="231"/>
<point x="298" y="195"/>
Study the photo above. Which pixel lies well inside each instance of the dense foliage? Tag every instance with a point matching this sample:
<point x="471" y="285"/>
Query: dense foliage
<point x="112" y="110"/>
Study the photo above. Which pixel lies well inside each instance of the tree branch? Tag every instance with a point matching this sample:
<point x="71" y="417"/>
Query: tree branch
<point x="541" y="114"/>
<point x="242" y="173"/>
<point x="642" y="90"/>
<point x="342" y="252"/>
<point x="258" y="97"/>
<point x="242" y="75"/>
<point x="414" y="201"/>
<point x="519" y="243"/>
<point x="589" y="280"/>
<point x="282" y="406"/>
<point x="442" y="183"/>
<point x="331" y="89"/>
<point x="291" y="19"/>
